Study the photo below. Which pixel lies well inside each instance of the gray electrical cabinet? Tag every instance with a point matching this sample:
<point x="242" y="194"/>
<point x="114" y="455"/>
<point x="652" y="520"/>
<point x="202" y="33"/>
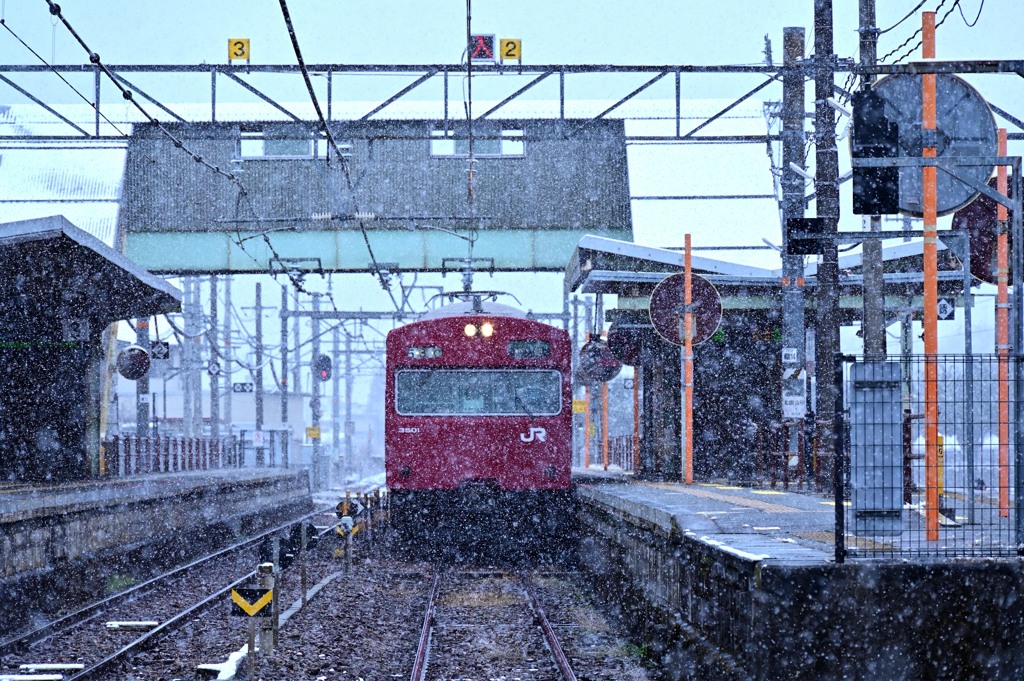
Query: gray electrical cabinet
<point x="876" y="448"/>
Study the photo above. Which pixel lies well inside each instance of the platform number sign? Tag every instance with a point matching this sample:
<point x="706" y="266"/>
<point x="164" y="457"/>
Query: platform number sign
<point x="238" y="48"/>
<point x="159" y="349"/>
<point x="511" y="49"/>
<point x="481" y="48"/>
<point x="946" y="309"/>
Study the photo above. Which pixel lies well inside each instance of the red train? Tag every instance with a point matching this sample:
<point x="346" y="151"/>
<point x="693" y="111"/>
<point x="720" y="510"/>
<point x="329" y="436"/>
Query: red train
<point x="478" y="424"/>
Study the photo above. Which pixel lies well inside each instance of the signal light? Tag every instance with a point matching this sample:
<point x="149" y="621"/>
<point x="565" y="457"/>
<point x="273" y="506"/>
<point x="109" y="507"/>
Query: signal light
<point x="322" y="367"/>
<point x="876" y="191"/>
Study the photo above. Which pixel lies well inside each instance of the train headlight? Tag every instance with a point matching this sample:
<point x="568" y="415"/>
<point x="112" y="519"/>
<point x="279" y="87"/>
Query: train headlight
<point x="486" y="329"/>
<point x="470" y="330"/>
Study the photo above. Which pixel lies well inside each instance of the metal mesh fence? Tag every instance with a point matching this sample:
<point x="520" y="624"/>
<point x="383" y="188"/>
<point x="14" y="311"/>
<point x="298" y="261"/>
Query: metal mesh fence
<point x="927" y="457"/>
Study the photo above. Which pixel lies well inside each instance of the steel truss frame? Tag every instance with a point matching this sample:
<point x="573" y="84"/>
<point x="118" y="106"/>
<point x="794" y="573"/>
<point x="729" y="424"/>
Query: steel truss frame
<point x="427" y="72"/>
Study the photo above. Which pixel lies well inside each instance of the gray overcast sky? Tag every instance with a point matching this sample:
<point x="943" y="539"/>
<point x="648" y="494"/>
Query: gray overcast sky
<point x="553" y="32"/>
<point x="408" y="31"/>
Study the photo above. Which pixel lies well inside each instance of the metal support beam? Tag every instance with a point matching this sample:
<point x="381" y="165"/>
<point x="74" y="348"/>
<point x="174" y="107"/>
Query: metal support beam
<point x="514" y="95"/>
<point x="284" y="375"/>
<point x="137" y="90"/>
<point x="401" y="93"/>
<point x="730" y="107"/>
<point x="260" y="460"/>
<point x="262" y="96"/>
<point x="44" y="106"/>
<point x="631" y="95"/>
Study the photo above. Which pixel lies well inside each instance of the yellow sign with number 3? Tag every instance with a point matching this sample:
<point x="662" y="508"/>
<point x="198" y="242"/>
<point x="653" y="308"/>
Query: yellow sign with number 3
<point x="238" y="48"/>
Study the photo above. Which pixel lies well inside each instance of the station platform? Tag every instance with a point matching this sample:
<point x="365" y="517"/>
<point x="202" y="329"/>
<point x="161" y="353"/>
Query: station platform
<point x="65" y="544"/>
<point x="761" y="524"/>
<point x="741" y="583"/>
<point x="26" y="500"/>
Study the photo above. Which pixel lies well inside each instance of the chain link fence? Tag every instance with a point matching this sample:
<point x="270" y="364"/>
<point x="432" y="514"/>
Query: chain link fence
<point x="926" y="458"/>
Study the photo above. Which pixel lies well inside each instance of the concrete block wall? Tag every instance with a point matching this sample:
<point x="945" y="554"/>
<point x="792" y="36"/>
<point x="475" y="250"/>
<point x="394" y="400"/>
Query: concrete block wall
<point x="708" y="611"/>
<point x="43" y="537"/>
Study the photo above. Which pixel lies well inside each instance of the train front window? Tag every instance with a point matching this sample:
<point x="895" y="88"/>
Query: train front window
<point x="485" y="392"/>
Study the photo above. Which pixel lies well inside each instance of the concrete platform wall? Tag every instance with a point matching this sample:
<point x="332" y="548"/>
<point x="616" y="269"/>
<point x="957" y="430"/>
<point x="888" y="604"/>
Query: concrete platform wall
<point x="60" y="549"/>
<point x="39" y="538"/>
<point x="709" y="611"/>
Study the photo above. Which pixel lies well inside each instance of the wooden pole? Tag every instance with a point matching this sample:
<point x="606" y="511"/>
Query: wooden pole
<point x="604" y="425"/>
<point x="636" y="418"/>
<point x="931" y="386"/>
<point x="252" y="648"/>
<point x="688" y="361"/>
<point x="1003" y="335"/>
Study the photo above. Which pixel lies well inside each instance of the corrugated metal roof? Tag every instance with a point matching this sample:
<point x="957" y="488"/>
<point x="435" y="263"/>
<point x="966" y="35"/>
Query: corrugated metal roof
<point x="80" y="180"/>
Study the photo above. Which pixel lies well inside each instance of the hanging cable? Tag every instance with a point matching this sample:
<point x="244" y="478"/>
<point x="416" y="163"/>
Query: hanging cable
<point x="908" y="15"/>
<point x="59" y="75"/>
<point x="334" y="146"/>
<point x="978" y="16"/>
<point x="243" y="193"/>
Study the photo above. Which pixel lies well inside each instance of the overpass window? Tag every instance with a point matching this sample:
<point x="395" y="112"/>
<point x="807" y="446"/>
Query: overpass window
<point x="507" y="143"/>
<point x="257" y="144"/>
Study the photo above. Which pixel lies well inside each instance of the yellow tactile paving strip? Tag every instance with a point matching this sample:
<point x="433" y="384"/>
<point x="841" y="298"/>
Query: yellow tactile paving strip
<point x="727" y="498"/>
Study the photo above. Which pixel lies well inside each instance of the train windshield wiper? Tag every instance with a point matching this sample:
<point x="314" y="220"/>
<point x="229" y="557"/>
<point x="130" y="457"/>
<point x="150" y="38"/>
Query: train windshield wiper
<point x="522" y="404"/>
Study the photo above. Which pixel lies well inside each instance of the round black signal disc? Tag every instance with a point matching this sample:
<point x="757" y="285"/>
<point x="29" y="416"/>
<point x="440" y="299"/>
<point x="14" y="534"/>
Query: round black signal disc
<point x="668" y="307"/>
<point x="133" y="362"/>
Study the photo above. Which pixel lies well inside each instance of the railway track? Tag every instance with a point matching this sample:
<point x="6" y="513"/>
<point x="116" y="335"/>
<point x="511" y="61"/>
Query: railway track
<point x="485" y="623"/>
<point x="88" y="646"/>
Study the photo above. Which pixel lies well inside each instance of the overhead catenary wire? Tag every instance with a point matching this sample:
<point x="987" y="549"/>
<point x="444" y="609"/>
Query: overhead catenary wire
<point x="909" y="52"/>
<point x="57" y="73"/>
<point x="971" y="24"/>
<point x="907" y="16"/>
<point x="128" y="96"/>
<point x="334" y="146"/>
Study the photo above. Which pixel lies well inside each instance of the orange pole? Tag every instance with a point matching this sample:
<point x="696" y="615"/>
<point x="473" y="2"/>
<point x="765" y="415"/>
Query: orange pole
<point x="604" y="425"/>
<point x="1003" y="336"/>
<point x="636" y="419"/>
<point x="931" y="293"/>
<point x="688" y="361"/>
<point x="586" y="419"/>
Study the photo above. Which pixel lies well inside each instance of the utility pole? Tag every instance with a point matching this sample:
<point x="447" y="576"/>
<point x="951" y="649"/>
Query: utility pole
<point x="196" y="339"/>
<point x="335" y="403"/>
<point x="873" y="324"/>
<point x="827" y="190"/>
<point x="228" y="354"/>
<point x="314" y="398"/>
<point x="285" y="434"/>
<point x="297" y="364"/>
<point x="349" y="425"/>
<point x="187" y="351"/>
<point x="260" y="453"/>
<point x="793" y="325"/>
<point x="214" y="375"/>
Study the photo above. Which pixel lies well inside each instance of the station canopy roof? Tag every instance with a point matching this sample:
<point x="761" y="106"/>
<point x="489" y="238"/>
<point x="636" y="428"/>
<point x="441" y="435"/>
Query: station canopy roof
<point x="67" y="273"/>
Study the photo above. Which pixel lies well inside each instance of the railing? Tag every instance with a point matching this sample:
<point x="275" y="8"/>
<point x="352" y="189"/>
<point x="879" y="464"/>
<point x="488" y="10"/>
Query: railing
<point x="926" y="460"/>
<point x="131" y="455"/>
<point x="620" y="452"/>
